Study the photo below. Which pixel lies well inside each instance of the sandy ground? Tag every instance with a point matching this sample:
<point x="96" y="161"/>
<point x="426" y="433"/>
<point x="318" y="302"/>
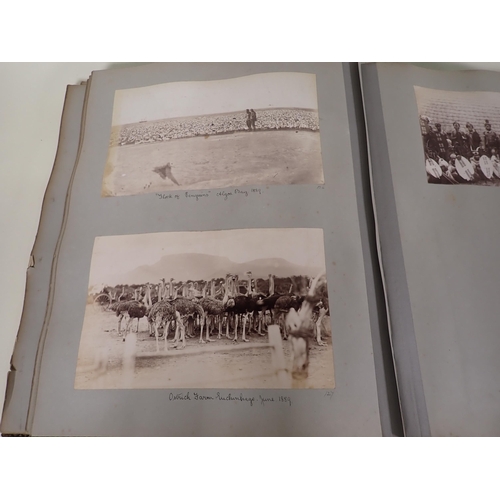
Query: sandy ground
<point x="238" y="159"/>
<point x="248" y="369"/>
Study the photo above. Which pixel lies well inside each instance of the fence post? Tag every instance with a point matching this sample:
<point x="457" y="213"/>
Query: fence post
<point x="128" y="366"/>
<point x="101" y="366"/>
<point x="278" y="357"/>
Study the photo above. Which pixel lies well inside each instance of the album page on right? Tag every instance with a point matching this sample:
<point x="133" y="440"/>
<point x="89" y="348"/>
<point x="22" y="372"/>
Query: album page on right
<point x="434" y="139"/>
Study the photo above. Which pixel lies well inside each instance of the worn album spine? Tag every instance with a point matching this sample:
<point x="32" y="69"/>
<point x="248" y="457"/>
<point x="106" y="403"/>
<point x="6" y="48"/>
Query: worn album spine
<point x="390" y="413"/>
<point x="404" y="346"/>
<point x="22" y="377"/>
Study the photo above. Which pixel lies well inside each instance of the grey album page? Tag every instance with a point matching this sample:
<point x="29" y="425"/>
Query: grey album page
<point x="208" y="201"/>
<point x="38" y="275"/>
<point x="434" y="156"/>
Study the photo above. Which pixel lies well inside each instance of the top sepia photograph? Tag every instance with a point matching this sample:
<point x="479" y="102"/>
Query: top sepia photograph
<point x="260" y="129"/>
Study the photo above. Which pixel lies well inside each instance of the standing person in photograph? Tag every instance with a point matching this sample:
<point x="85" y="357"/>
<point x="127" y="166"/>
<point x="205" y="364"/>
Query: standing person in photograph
<point x="460" y="142"/>
<point x="253" y="115"/>
<point x="426" y="131"/>
<point x="249" y="120"/>
<point x="474" y="137"/>
<point x="438" y="142"/>
<point x="490" y="138"/>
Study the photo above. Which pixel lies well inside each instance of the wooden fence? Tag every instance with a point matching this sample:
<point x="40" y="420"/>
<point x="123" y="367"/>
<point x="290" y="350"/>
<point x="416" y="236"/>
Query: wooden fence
<point x="275" y="345"/>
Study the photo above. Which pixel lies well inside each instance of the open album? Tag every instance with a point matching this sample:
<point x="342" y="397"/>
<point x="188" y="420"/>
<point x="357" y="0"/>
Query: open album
<point x="266" y="249"/>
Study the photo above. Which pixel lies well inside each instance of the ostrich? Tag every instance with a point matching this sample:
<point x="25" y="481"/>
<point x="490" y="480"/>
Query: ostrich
<point x="187" y="308"/>
<point x="185" y="293"/>
<point x="268" y="303"/>
<point x="302" y="285"/>
<point x="301" y="327"/>
<point x="132" y="308"/>
<point x="254" y="303"/>
<point x="161" y="290"/>
<point x="228" y="301"/>
<point x="214" y="309"/>
<point x="166" y="172"/>
<point x="217" y="293"/>
<point x="147" y="296"/>
<point x="241" y="305"/>
<point x="282" y="306"/>
<point x="136" y="310"/>
<point x="287" y="301"/>
<point x="160" y="315"/>
<point x="193" y="293"/>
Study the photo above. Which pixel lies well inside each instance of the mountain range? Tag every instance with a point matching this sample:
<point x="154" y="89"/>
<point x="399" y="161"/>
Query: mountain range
<point x="199" y="266"/>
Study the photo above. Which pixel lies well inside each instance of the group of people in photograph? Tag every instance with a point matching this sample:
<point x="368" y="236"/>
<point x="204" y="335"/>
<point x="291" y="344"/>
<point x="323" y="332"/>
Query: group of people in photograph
<point x="194" y="126"/>
<point x="251" y="119"/>
<point x="461" y="156"/>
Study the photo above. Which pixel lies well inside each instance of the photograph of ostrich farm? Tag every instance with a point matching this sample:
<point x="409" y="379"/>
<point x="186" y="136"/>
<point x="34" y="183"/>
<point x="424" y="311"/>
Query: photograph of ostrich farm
<point x="256" y="130"/>
<point x="232" y="309"/>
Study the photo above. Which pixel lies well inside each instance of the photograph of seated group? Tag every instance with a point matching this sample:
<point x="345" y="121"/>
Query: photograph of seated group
<point x="460" y="136"/>
<point x="260" y="129"/>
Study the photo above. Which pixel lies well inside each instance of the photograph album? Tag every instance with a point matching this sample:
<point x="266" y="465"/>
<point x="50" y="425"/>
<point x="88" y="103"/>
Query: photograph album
<point x="266" y="249"/>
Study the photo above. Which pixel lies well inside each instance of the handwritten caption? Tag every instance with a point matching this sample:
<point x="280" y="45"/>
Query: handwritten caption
<point x="222" y="194"/>
<point x="239" y="398"/>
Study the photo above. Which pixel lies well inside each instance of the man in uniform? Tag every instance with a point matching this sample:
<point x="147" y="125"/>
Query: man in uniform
<point x="253" y="118"/>
<point x="474" y="137"/>
<point x="426" y="131"/>
<point x="440" y="143"/>
<point x="460" y="142"/>
<point x="249" y="119"/>
<point x="490" y="138"/>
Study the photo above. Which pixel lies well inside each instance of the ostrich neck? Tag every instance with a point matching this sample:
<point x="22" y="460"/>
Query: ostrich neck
<point x="228" y="292"/>
<point x="271" y="285"/>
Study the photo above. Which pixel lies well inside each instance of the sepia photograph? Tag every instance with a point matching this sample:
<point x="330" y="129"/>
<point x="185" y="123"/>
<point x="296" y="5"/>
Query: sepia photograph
<point x="260" y="129"/>
<point x="229" y="309"/>
<point x="460" y="136"/>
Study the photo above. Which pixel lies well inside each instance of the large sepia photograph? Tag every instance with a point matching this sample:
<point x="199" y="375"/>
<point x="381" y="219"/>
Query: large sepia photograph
<point x="460" y="136"/>
<point x="256" y="130"/>
<point x="231" y="309"/>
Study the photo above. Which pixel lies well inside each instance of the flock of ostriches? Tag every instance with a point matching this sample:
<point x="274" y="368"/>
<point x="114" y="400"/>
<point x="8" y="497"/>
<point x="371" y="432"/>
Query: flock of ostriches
<point x="186" y="306"/>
